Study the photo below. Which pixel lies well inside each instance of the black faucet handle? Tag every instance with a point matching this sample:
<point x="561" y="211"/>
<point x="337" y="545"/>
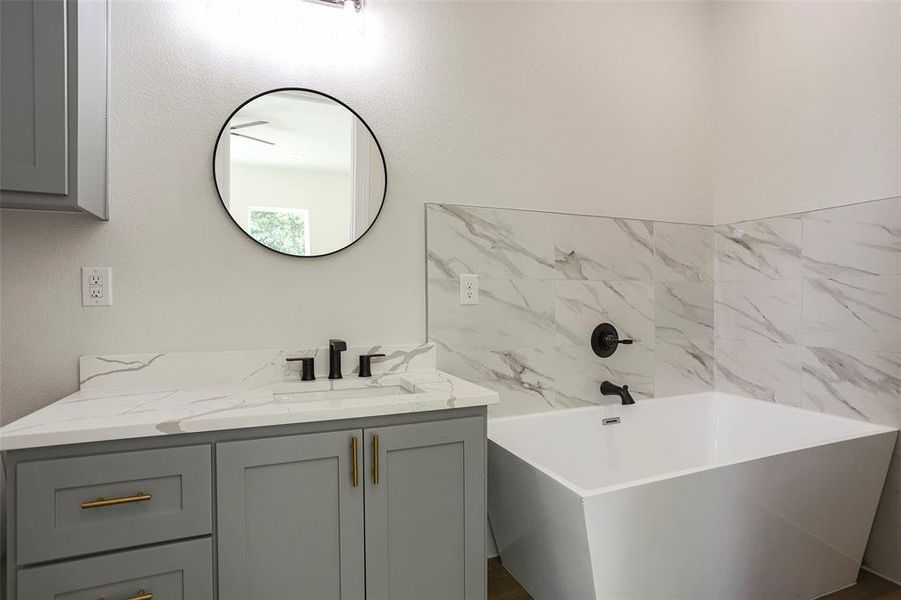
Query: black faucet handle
<point x="337" y="345"/>
<point x="366" y="364"/>
<point x="307" y="370"/>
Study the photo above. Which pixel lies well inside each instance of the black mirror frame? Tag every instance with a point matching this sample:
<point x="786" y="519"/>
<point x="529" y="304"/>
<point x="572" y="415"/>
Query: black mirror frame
<point x="354" y="113"/>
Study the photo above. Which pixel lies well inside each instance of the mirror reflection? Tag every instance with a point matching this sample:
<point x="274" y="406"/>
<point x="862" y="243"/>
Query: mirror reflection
<point x="299" y="172"/>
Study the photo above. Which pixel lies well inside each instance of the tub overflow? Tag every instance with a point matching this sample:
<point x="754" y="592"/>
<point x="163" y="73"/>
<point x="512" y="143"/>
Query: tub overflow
<point x="610" y="421"/>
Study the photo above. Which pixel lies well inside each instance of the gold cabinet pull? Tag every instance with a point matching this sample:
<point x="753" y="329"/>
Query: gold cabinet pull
<point x="101" y="502"/>
<point x="375" y="459"/>
<point x="142" y="595"/>
<point x="356" y="464"/>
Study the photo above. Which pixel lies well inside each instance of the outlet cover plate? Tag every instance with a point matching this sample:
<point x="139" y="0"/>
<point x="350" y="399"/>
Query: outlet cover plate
<point x="469" y="289"/>
<point x="96" y="286"/>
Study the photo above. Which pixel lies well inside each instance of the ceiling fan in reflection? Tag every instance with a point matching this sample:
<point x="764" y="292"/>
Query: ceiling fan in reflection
<point x="231" y="131"/>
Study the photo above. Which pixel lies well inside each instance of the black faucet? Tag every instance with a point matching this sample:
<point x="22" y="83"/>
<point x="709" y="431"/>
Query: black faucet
<point x="609" y="389"/>
<point x="335" y="348"/>
<point x="308" y="372"/>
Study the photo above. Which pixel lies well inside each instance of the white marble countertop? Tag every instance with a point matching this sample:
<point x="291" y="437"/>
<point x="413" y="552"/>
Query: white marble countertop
<point x="93" y="415"/>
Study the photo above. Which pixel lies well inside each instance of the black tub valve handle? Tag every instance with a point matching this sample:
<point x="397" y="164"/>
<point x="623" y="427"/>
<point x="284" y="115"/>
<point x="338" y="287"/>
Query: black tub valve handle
<point x="605" y="340"/>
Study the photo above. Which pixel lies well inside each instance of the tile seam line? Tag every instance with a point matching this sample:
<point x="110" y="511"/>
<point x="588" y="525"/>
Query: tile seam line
<point x="806" y="212"/>
<point x="713" y="223"/>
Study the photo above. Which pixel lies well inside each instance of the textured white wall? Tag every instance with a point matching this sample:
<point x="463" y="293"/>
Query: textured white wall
<point x="587" y="108"/>
<point x="808" y="106"/>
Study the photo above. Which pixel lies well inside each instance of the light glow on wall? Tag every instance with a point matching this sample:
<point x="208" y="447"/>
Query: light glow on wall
<point x="283" y="31"/>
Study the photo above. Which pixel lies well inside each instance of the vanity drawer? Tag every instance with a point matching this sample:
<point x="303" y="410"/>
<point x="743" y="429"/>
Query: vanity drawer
<point x="71" y="506"/>
<point x="180" y="571"/>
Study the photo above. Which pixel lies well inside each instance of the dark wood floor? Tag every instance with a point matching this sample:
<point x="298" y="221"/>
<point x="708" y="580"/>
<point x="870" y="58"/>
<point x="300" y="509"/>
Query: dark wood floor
<point x="869" y="587"/>
<point x="502" y="586"/>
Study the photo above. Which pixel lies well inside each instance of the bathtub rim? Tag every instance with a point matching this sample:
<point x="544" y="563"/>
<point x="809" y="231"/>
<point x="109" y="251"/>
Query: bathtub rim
<point x="873" y="430"/>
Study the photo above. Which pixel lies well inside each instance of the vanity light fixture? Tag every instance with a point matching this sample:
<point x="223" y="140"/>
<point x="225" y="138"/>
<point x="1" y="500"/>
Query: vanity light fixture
<point x="358" y="4"/>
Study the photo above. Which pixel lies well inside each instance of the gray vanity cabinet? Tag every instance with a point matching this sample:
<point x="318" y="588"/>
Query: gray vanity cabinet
<point x="425" y="515"/>
<point x="53" y="105"/>
<point x="290" y="518"/>
<point x="382" y="507"/>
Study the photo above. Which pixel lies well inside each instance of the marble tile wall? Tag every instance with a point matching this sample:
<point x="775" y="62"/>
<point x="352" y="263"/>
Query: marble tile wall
<point x="808" y="310"/>
<point x="546" y="280"/>
<point x="808" y="313"/>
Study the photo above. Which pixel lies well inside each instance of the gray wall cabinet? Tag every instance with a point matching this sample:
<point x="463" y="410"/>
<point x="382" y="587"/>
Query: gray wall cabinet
<point x="389" y="507"/>
<point x="53" y="105"/>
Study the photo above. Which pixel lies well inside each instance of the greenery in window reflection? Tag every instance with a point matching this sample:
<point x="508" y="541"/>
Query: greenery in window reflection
<point x="280" y="230"/>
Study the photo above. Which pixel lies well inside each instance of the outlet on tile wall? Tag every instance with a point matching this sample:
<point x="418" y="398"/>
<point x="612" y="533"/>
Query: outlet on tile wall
<point x="469" y="289"/>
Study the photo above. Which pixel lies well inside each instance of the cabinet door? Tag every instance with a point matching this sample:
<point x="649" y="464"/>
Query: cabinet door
<point x="33" y="96"/>
<point x="53" y="105"/>
<point x="425" y="511"/>
<point x="181" y="571"/>
<point x="290" y="518"/>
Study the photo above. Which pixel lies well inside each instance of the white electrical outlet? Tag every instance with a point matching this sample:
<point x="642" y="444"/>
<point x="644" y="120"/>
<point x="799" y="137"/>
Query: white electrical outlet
<point x="96" y="286"/>
<point x="469" y="289"/>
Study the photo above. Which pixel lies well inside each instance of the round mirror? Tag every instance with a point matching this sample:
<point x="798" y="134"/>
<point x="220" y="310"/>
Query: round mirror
<point x="299" y="172"/>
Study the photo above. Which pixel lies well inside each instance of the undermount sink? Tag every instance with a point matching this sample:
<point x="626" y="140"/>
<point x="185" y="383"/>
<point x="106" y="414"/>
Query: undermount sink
<point x="341" y="394"/>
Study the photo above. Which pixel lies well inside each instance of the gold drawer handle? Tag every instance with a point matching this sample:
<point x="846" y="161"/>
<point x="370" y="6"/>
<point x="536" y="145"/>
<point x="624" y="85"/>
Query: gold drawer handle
<point x="101" y="502"/>
<point x="142" y="595"/>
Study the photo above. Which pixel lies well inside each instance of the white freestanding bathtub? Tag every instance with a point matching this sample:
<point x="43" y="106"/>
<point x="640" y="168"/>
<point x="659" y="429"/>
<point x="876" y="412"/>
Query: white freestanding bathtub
<point x="706" y="496"/>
